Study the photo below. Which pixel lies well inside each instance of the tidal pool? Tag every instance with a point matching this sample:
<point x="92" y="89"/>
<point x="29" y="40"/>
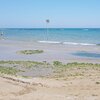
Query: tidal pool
<point x="87" y="54"/>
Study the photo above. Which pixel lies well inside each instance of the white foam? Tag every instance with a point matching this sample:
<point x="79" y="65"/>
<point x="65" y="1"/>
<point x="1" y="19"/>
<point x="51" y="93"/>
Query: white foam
<point x="86" y="44"/>
<point x="66" y="43"/>
<point x="52" y="42"/>
<point x="73" y="43"/>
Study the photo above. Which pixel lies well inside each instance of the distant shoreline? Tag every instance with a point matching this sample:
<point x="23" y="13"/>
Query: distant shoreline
<point x="52" y="52"/>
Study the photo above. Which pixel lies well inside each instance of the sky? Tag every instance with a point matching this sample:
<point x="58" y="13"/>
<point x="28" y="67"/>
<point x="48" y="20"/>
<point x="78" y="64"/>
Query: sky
<point x="61" y="13"/>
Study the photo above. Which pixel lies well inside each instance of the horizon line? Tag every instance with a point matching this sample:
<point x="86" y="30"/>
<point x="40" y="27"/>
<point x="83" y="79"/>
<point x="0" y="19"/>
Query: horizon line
<point x="49" y="28"/>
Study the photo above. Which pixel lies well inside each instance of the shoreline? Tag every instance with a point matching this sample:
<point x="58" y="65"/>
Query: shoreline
<point x="52" y="52"/>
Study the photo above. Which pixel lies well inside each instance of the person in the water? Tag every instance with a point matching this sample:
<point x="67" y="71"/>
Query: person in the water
<point x="1" y="35"/>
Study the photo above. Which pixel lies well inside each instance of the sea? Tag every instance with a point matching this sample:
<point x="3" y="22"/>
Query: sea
<point x="72" y="36"/>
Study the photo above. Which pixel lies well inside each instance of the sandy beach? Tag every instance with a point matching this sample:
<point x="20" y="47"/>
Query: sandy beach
<point x="49" y="49"/>
<point x="72" y="83"/>
<point x="74" y="88"/>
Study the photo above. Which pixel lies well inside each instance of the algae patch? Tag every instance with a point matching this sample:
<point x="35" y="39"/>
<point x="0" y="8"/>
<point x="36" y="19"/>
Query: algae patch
<point x="30" y="52"/>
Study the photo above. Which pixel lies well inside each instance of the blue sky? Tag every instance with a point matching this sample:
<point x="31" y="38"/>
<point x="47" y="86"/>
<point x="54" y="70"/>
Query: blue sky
<point x="62" y="13"/>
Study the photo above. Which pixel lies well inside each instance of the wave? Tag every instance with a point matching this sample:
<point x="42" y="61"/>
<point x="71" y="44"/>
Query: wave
<point x="51" y="42"/>
<point x="73" y="43"/>
<point x="66" y="43"/>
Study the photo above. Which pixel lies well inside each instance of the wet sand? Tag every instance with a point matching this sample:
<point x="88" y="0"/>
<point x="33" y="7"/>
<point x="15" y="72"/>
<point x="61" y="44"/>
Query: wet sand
<point x="52" y="52"/>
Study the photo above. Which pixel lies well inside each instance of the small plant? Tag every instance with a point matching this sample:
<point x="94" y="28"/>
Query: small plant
<point x="57" y="63"/>
<point x="94" y="95"/>
<point x="97" y="82"/>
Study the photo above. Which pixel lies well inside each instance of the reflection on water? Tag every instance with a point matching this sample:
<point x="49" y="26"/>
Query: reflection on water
<point x="87" y="54"/>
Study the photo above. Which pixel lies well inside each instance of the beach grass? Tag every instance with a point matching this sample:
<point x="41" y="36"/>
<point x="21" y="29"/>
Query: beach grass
<point x="59" y="69"/>
<point x="29" y="52"/>
<point x="74" y="64"/>
<point x="23" y="64"/>
<point x="75" y="69"/>
<point x="8" y="70"/>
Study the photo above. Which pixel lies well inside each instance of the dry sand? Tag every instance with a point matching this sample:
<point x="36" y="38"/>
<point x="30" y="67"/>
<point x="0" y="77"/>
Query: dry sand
<point x="50" y="89"/>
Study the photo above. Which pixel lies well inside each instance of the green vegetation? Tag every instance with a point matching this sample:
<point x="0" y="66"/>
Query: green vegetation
<point x="74" y="64"/>
<point x="8" y="70"/>
<point x="57" y="63"/>
<point x="59" y="69"/>
<point x="25" y="64"/>
<point x="21" y="68"/>
<point x="29" y="52"/>
<point x="75" y="69"/>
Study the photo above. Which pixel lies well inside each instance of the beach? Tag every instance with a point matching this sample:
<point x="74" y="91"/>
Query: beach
<point x="71" y="88"/>
<point x="52" y="52"/>
<point x="42" y="80"/>
<point x="55" y="69"/>
<point x="49" y="49"/>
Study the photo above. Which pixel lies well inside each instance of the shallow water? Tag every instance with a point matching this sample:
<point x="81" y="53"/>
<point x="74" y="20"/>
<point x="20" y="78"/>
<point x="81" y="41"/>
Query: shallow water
<point x="74" y="36"/>
<point x="87" y="54"/>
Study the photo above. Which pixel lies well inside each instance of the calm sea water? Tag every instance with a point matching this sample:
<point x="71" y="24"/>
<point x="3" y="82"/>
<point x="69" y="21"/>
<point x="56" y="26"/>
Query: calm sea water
<point x="64" y="35"/>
